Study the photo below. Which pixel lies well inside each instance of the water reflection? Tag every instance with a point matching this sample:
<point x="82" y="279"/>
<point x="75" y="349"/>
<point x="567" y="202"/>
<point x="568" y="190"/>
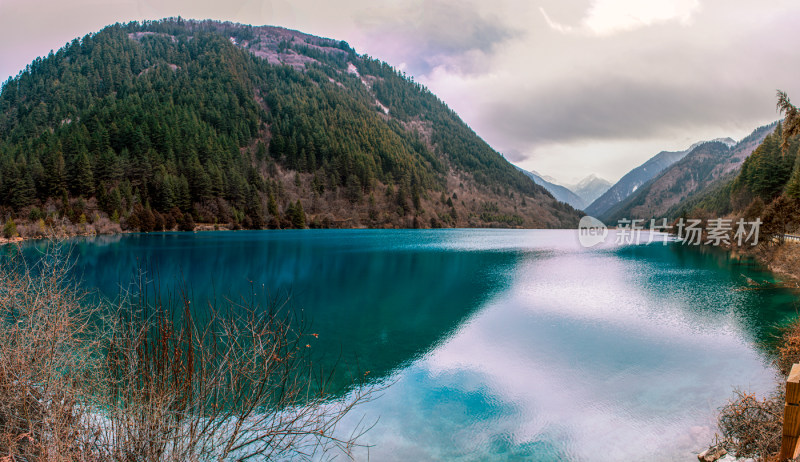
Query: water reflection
<point x="503" y="345"/>
<point x="376" y="301"/>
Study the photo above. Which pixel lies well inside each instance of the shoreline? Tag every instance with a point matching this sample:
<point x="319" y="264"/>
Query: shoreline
<point x="52" y="233"/>
<point x="782" y="260"/>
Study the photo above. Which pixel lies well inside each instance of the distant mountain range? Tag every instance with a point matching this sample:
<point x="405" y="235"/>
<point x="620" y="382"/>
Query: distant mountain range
<point x="633" y="180"/>
<point x="719" y="177"/>
<point x="559" y="192"/>
<point x="590" y="188"/>
<point x="688" y="173"/>
<point x="578" y="195"/>
<point x="766" y="185"/>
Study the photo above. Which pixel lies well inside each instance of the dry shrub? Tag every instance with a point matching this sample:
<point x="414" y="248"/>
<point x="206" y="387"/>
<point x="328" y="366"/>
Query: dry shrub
<point x="785" y="260"/>
<point x="52" y="228"/>
<point x="789" y="349"/>
<point x="147" y="380"/>
<point x="103" y="225"/>
<point x="46" y="359"/>
<point x="752" y="427"/>
<point x="233" y="383"/>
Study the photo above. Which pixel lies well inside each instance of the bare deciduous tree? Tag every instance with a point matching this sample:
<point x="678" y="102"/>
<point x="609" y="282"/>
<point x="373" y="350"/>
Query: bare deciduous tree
<point x="151" y="378"/>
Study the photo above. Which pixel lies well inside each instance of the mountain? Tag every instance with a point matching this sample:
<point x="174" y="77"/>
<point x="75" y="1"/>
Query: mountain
<point x="167" y="123"/>
<point x="768" y="173"/>
<point x="590" y="188"/>
<point x="577" y="195"/>
<point x="640" y="175"/>
<point x="547" y="178"/>
<point x="561" y="193"/>
<point x="632" y="180"/>
<point x="704" y="165"/>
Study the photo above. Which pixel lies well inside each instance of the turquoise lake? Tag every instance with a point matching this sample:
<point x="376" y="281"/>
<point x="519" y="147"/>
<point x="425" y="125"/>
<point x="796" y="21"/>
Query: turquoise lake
<point x="498" y="344"/>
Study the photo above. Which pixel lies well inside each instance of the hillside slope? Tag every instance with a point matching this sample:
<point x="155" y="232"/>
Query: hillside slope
<point x="172" y="122"/>
<point x="632" y="180"/>
<point x="702" y="167"/>
<point x="761" y="180"/>
<point x="640" y="175"/>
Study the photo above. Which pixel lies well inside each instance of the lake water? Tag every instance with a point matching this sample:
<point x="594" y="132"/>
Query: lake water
<point x="499" y="344"/>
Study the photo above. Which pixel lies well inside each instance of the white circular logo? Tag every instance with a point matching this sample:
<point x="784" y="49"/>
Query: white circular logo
<point x="591" y="231"/>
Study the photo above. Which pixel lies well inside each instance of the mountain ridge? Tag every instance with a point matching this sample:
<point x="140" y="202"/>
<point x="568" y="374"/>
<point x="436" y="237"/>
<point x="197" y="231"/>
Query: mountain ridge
<point x="638" y="176"/>
<point x="165" y="123"/>
<point x="578" y="195"/>
<point x="703" y="166"/>
<point x="590" y="188"/>
<point x="761" y="185"/>
<point x="559" y="192"/>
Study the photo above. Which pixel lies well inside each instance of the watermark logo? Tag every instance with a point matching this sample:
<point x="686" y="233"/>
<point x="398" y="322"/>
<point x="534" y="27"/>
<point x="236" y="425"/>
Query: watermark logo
<point x="591" y="231"/>
<point x="714" y="232"/>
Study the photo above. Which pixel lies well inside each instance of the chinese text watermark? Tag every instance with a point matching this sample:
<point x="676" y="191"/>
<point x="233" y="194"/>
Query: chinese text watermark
<point x="692" y="231"/>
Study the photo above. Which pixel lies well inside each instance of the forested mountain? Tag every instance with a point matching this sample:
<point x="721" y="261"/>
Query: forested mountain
<point x="561" y="193"/>
<point x="767" y="177"/>
<point x="632" y="180"/>
<point x="705" y="165"/>
<point x="640" y="175"/>
<point x="168" y="123"/>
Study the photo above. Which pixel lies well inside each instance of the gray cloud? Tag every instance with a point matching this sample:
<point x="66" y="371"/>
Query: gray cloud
<point x="514" y="155"/>
<point x="426" y="34"/>
<point x="616" y="108"/>
<point x="709" y="73"/>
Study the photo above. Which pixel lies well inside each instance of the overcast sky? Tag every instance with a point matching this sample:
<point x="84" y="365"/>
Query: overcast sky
<point x="566" y="88"/>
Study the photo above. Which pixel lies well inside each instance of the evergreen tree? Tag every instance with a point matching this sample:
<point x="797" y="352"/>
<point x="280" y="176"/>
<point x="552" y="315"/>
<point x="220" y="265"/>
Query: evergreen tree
<point x="114" y="201"/>
<point x="402" y="198"/>
<point x="83" y="178"/>
<point x="298" y="216"/>
<point x="261" y="151"/>
<point x="791" y="118"/>
<point x="23" y="192"/>
<point x="108" y="169"/>
<point x="353" y="189"/>
<point x="793" y="186"/>
<point x="272" y="207"/>
<point x="163" y="190"/>
<point x="183" y="198"/>
<point x="254" y="210"/>
<point x="199" y="182"/>
<point x="55" y="174"/>
<point x="288" y="216"/>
